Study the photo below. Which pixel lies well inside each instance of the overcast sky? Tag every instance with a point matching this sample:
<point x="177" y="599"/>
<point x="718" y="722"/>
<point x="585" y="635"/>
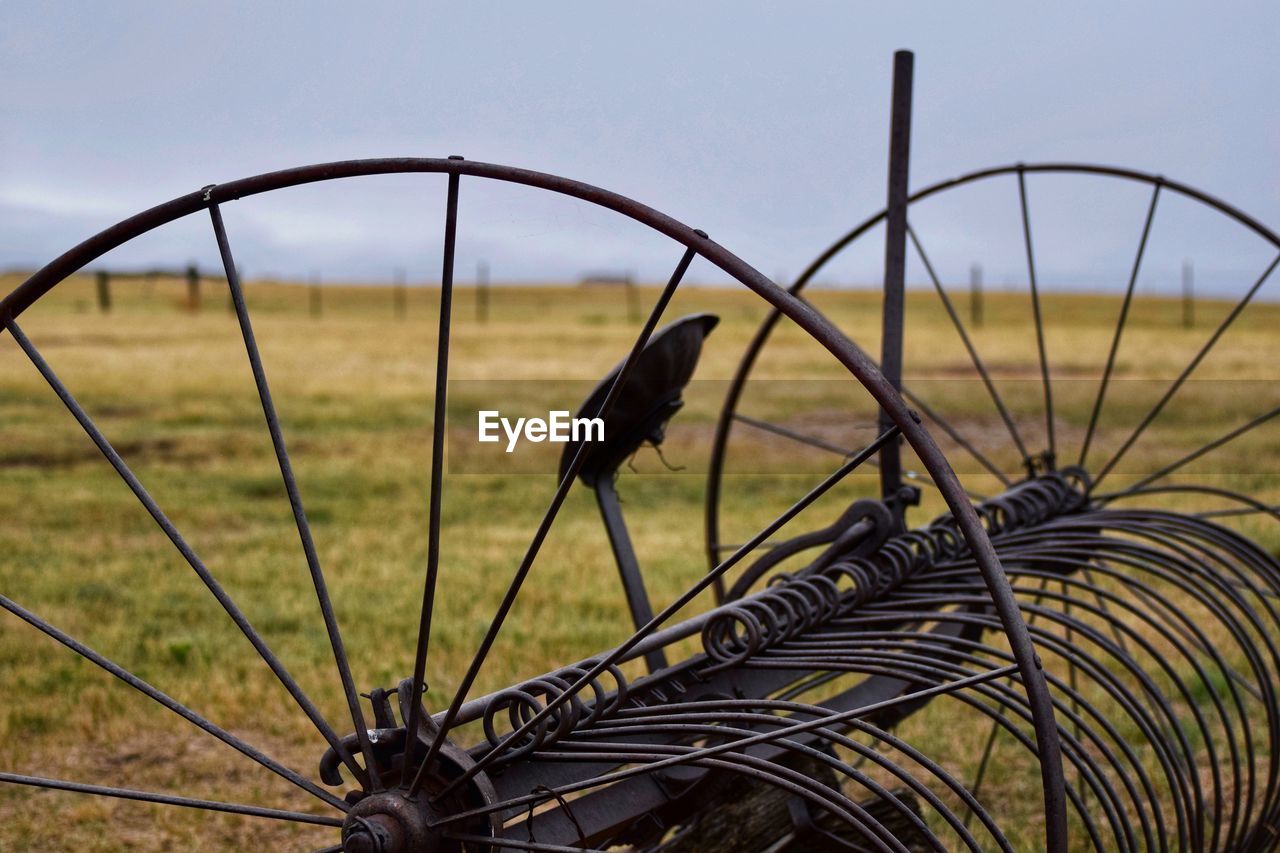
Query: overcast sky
<point x="766" y="124"/>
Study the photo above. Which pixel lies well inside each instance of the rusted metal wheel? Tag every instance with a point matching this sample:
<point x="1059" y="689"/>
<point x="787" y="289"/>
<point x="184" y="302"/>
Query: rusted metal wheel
<point x="579" y="755"/>
<point x="1130" y="552"/>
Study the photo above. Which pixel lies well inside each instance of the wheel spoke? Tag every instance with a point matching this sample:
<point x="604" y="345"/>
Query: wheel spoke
<point x="562" y="491"/>
<point x="438" y="427"/>
<point x="670" y="610"/>
<point x="1187" y="371"/>
<point x="945" y="426"/>
<point x="814" y="441"/>
<point x="294" y="494"/>
<point x="925" y="409"/>
<point x="1196" y="454"/>
<point x="955" y="436"/>
<point x="168" y="800"/>
<point x="1120" y="324"/>
<point x="169" y="702"/>
<point x="799" y="437"/>
<point x="1035" y="308"/>
<point x="968" y="345"/>
<point x="185" y="549"/>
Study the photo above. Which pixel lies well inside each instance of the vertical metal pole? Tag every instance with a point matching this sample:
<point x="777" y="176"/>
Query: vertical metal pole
<point x="895" y="260"/>
<point x="482" y="292"/>
<point x="104" y="291"/>
<point x="975" y="295"/>
<point x="1188" y="295"/>
<point x="628" y="566"/>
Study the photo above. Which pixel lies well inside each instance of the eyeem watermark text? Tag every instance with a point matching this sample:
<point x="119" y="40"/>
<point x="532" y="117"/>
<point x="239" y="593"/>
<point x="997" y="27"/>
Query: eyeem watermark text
<point x="558" y="427"/>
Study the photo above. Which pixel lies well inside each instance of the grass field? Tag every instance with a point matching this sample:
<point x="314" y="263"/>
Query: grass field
<point x="172" y="390"/>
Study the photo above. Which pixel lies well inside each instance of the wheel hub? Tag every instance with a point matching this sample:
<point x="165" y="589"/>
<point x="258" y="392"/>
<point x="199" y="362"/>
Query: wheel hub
<point x="392" y="820"/>
<point x="390" y="823"/>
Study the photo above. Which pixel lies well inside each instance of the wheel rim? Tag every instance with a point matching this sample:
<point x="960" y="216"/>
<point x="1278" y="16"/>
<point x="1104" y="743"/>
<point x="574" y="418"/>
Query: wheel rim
<point x="1260" y="614"/>
<point x="695" y="244"/>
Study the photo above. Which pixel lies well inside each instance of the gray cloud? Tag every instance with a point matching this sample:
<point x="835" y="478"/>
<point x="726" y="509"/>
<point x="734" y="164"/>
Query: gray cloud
<point x="763" y="123"/>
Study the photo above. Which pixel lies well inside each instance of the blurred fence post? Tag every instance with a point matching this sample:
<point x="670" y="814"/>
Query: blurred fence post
<point x="482" y="292"/>
<point x="104" y="291"/>
<point x="148" y="284"/>
<point x="633" y="298"/>
<point x="317" y="306"/>
<point x="975" y="295"/>
<point x="1188" y="295"/>
<point x="193" y="287"/>
<point x="398" y="294"/>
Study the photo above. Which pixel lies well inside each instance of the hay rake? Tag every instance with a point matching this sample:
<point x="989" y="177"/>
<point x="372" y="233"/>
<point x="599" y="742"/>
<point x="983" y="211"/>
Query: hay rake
<point x="861" y="683"/>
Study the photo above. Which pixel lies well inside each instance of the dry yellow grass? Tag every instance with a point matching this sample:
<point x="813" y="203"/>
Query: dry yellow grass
<point x="173" y="391"/>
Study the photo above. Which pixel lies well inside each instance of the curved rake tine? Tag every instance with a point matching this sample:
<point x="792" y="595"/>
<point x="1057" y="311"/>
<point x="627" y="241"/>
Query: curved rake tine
<point x="705" y="581"/>
<point x="1195" y="642"/>
<point x="968" y="345"/>
<point x="1228" y="513"/>
<point x="980" y="775"/>
<point x="1072" y="678"/>
<point x="168" y="800"/>
<point x="210" y="582"/>
<point x="1008" y="700"/>
<point x="814" y="441"/>
<point x="770" y="773"/>
<point x="295" y="496"/>
<point x="438" y="425"/>
<point x="1046" y="638"/>
<point x="544" y="527"/>
<point x="762" y="713"/>
<point x="1035" y="310"/>
<point x="1102" y="605"/>
<point x="1186" y="371"/>
<point x="1252" y="504"/>
<point x="1120" y="324"/>
<point x="685" y="723"/>
<point x="1194" y="455"/>
<point x="170" y="703"/>
<point x="738" y="745"/>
